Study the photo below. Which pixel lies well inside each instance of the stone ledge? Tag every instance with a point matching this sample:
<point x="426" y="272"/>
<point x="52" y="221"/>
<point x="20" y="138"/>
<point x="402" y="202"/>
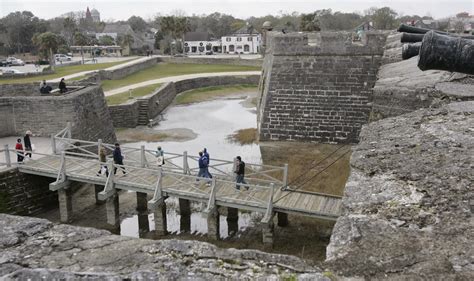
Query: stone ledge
<point x="36" y="248"/>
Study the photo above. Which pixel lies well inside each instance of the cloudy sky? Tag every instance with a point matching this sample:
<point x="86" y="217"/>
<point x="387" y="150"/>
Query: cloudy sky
<point x="123" y="9"/>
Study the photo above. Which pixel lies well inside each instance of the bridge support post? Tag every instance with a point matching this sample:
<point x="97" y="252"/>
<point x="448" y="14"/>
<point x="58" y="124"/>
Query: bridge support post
<point x="98" y="189"/>
<point x="185" y="212"/>
<point x="112" y="207"/>
<point x="159" y="213"/>
<point x="65" y="204"/>
<point x="282" y="219"/>
<point x="267" y="233"/>
<point x="7" y="156"/>
<point x="142" y="203"/>
<point x="213" y="224"/>
<point x="232" y="220"/>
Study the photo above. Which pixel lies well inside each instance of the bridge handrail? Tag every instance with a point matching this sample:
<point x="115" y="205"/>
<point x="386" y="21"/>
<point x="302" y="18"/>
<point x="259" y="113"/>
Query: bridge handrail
<point x="271" y="173"/>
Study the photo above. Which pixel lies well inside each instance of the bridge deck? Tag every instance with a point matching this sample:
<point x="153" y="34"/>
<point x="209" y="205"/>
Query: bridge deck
<point x="186" y="186"/>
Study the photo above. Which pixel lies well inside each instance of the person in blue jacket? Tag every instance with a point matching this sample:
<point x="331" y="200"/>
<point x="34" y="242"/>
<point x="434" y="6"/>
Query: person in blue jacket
<point x="206" y="154"/>
<point x="203" y="164"/>
<point x="118" y="158"/>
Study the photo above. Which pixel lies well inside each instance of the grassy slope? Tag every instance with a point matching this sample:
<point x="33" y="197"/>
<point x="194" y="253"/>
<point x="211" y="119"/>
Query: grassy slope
<point x="162" y="70"/>
<point x="209" y="93"/>
<point x="63" y="71"/>
<point x="138" y="92"/>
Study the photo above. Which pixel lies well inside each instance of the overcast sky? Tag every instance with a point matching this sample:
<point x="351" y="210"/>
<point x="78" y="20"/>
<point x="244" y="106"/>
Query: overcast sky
<point x="123" y="9"/>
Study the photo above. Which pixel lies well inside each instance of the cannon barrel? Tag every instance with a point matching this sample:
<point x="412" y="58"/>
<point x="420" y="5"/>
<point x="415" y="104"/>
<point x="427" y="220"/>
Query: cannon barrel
<point x="417" y="37"/>
<point x="446" y="53"/>
<point x="413" y="29"/>
<point x="411" y="37"/>
<point x="410" y="50"/>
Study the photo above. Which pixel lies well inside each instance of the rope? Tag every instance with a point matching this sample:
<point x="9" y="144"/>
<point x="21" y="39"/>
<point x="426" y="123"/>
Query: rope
<point x="314" y="166"/>
<point x="305" y="182"/>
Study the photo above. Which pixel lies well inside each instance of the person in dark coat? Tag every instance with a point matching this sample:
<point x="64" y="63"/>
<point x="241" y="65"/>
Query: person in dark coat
<point x="62" y="86"/>
<point x="206" y="154"/>
<point x="118" y="158"/>
<point x="240" y="171"/>
<point x="203" y="163"/>
<point x="27" y="142"/>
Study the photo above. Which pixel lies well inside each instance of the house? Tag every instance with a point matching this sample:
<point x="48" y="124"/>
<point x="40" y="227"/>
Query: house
<point x="93" y="51"/>
<point x="200" y="43"/>
<point x="244" y="41"/>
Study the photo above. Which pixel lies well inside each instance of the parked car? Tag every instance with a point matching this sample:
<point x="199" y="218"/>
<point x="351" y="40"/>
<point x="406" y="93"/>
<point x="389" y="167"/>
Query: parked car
<point x="5" y="63"/>
<point x="10" y="71"/>
<point x="61" y="57"/>
<point x="180" y="55"/>
<point x="15" y="61"/>
<point x="209" y="52"/>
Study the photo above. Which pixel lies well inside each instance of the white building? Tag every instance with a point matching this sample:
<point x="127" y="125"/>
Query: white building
<point x="244" y="41"/>
<point x="200" y="43"/>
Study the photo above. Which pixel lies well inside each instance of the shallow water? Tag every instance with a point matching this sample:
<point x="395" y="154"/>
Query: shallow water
<point x="212" y="121"/>
<point x="139" y="225"/>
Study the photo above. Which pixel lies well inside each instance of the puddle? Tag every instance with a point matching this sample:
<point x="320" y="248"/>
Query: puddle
<point x="141" y="225"/>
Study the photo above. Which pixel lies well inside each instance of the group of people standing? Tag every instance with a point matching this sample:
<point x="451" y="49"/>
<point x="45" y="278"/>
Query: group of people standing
<point x="22" y="152"/>
<point x="203" y="162"/>
<point x="46" y="89"/>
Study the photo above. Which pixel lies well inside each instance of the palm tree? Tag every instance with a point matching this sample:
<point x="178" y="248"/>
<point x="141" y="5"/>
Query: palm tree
<point x="47" y="41"/>
<point x="126" y="41"/>
<point x="181" y="27"/>
<point x="81" y="40"/>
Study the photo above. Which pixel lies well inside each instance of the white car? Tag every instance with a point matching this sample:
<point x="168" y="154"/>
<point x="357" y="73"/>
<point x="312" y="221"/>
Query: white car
<point x="15" y="61"/>
<point x="9" y="71"/>
<point x="61" y="57"/>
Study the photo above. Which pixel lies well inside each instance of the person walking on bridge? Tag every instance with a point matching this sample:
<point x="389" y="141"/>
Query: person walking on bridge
<point x="203" y="163"/>
<point x="118" y="159"/>
<point x="28" y="145"/>
<point x="19" y="151"/>
<point x="103" y="163"/>
<point x="240" y="171"/>
<point x="206" y="154"/>
<point x="160" y="156"/>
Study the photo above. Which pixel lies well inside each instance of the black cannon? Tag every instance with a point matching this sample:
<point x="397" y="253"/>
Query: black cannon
<point x="410" y="50"/>
<point x="411" y="37"/>
<point x="446" y="53"/>
<point x="414" y="29"/>
<point x="418" y="37"/>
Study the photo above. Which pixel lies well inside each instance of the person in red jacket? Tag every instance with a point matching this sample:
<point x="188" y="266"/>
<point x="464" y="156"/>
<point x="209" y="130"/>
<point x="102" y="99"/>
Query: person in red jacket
<point x="19" y="151"/>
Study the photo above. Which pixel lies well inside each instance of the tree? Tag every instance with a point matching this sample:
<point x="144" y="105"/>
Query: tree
<point x="81" y="40"/>
<point x="47" y="41"/>
<point x="458" y="26"/>
<point x="126" y="42"/>
<point x="384" y="18"/>
<point x="462" y="15"/>
<point x="106" y="40"/>
<point x="137" y="24"/>
<point x="20" y="27"/>
<point x="310" y="22"/>
<point x="70" y="27"/>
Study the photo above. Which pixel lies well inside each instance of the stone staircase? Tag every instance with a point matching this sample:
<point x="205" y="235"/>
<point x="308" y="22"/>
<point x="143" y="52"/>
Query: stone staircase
<point x="143" y="112"/>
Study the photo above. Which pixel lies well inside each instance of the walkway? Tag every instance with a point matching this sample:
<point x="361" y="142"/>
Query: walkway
<point x="178" y="78"/>
<point x="82" y="73"/>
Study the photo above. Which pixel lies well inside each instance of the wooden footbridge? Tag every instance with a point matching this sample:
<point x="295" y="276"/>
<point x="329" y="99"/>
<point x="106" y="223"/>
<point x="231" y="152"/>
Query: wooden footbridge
<point x="265" y="192"/>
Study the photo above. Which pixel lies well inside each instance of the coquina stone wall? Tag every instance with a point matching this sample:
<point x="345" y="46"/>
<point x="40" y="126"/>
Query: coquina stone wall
<point x="23" y="194"/>
<point x="85" y="108"/>
<point x="317" y="86"/>
<point x="128" y="114"/>
<point x="121" y="72"/>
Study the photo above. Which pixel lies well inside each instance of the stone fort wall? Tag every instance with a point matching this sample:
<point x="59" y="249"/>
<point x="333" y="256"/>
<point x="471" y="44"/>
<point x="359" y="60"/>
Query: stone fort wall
<point x="317" y="86"/>
<point x="85" y="108"/>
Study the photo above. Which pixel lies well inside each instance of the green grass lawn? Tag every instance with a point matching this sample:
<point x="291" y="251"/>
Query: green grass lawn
<point x="162" y="70"/>
<point x="209" y="93"/>
<point x="63" y="71"/>
<point x="125" y="96"/>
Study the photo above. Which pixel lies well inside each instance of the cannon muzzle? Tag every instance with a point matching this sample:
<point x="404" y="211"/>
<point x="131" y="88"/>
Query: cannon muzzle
<point x="446" y="53"/>
<point x="410" y="50"/>
<point x="411" y="37"/>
